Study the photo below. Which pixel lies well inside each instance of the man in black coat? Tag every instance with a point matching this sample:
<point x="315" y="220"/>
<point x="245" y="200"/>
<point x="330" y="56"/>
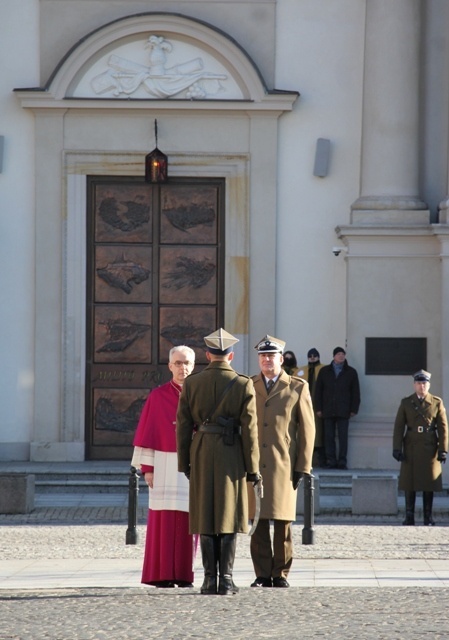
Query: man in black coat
<point x="337" y="399"/>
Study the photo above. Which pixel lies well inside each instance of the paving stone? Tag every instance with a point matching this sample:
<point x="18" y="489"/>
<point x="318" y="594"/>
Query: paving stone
<point x="97" y="534"/>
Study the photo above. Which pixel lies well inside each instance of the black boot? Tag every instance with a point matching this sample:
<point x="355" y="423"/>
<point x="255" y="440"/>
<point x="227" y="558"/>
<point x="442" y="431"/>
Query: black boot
<point x="226" y="586"/>
<point x="410" y="498"/>
<point x="427" y="501"/>
<point x="209" y="554"/>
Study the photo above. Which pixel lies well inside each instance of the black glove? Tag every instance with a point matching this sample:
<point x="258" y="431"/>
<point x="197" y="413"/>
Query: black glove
<point x="187" y="474"/>
<point x="255" y="478"/>
<point x="442" y="455"/>
<point x="398" y="455"/>
<point x="297" y="475"/>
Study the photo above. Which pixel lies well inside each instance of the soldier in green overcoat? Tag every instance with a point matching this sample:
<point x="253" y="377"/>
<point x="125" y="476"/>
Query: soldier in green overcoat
<point x="420" y="443"/>
<point x="216" y="430"/>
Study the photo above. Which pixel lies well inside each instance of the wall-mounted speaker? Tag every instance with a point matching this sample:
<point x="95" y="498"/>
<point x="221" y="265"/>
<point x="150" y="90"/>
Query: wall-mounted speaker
<point x="322" y="153"/>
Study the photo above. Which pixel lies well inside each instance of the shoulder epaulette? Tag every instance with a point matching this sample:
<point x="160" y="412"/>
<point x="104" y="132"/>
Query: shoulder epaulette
<point x="299" y="379"/>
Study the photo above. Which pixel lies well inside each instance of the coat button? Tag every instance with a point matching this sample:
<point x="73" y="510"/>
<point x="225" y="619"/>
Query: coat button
<point x="264" y="444"/>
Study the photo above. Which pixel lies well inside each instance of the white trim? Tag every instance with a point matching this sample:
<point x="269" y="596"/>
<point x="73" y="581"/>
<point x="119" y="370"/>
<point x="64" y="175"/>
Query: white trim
<point x="77" y="166"/>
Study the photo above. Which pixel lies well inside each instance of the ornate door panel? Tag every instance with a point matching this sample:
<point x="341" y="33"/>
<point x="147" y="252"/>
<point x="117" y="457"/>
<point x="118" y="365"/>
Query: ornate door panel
<point x="155" y="260"/>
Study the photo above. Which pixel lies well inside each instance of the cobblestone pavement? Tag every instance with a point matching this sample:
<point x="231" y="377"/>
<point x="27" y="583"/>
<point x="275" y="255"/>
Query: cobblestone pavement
<point x="139" y="612"/>
<point x="127" y="614"/>
<point x="99" y="532"/>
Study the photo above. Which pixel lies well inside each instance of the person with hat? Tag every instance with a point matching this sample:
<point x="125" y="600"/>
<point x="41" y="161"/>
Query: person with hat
<point x="420" y="443"/>
<point x="310" y="373"/>
<point x="286" y="437"/>
<point x="337" y="399"/>
<point x="216" y="430"/>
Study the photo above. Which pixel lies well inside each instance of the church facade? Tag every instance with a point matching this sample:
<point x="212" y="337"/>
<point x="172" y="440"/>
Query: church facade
<point x="305" y="197"/>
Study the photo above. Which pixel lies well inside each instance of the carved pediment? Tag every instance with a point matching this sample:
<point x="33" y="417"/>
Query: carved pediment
<point x="153" y="57"/>
<point x="156" y="67"/>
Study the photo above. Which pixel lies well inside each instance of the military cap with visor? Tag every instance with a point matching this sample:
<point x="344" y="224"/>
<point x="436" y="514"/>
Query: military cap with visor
<point x="422" y="376"/>
<point x="268" y="344"/>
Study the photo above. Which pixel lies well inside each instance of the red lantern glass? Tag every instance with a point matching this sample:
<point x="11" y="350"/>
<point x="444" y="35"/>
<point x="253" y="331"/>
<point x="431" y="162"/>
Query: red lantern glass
<point x="156" y="164"/>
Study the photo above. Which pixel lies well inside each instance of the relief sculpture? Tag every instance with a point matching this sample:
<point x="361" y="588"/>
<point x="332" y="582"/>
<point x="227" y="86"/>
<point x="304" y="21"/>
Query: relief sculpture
<point x="122" y="333"/>
<point x="136" y="213"/>
<point x="177" y="334"/>
<point x="110" y="418"/>
<point x="158" y="79"/>
<point x="185" y="218"/>
<point x="189" y="273"/>
<point x="123" y="274"/>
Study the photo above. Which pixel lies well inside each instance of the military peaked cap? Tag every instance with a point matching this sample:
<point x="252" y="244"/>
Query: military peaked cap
<point x="422" y="376"/>
<point x="268" y="344"/>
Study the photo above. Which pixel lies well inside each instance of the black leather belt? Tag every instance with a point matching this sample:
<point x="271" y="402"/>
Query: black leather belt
<point x="216" y="429"/>
<point x="421" y="429"/>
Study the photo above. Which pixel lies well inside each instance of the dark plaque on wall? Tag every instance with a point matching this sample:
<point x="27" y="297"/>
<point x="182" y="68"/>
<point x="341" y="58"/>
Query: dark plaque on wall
<point x="395" y="356"/>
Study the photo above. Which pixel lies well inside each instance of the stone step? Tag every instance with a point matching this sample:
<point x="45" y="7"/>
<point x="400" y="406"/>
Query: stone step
<point x="112" y="477"/>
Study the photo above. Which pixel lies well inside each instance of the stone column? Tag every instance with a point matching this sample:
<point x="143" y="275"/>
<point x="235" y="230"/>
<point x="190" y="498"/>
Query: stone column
<point x="390" y="131"/>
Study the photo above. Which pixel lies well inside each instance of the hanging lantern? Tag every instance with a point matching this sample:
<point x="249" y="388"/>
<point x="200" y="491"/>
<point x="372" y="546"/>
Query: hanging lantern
<point x="156" y="163"/>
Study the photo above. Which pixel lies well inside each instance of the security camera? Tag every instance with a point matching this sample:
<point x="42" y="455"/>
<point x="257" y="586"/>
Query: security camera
<point x="336" y="251"/>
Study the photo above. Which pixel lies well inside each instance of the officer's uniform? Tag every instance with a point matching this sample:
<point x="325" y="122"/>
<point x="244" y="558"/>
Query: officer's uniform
<point x="218" y="458"/>
<point x="420" y="434"/>
<point x="286" y="440"/>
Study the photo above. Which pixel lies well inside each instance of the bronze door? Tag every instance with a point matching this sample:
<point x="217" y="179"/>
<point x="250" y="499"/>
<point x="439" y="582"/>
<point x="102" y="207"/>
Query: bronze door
<point x="155" y="259"/>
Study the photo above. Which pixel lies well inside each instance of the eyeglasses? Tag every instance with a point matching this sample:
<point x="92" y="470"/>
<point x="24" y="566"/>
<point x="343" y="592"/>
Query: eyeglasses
<point x="180" y="363"/>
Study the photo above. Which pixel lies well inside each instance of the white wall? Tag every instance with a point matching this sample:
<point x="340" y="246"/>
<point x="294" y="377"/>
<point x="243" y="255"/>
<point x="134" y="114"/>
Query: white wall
<point x="320" y="54"/>
<point x="19" y="22"/>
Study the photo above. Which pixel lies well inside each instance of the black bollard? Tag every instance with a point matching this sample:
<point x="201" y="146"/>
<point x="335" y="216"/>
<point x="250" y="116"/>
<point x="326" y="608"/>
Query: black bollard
<point x="133" y="491"/>
<point x="308" y="533"/>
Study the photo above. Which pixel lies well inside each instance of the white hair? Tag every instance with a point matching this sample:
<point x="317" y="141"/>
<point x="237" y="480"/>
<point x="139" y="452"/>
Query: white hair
<point x="187" y="351"/>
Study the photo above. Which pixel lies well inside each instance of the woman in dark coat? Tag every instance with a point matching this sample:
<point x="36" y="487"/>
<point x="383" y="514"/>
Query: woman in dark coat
<point x="420" y="442"/>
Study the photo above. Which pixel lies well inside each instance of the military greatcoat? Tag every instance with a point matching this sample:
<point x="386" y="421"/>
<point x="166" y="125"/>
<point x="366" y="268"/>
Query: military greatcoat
<point x="286" y="439"/>
<point x="420" y="431"/>
<point x="218" y="500"/>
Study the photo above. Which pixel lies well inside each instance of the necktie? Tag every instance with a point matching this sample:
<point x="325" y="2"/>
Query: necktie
<point x="270" y="385"/>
